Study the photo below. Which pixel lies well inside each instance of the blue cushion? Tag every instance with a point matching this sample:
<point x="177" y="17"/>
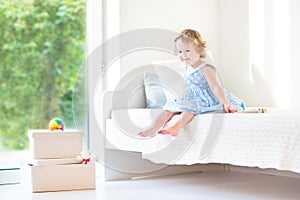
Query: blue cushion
<point x="155" y="94"/>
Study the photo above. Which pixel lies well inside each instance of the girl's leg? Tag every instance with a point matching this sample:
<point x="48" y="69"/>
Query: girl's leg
<point x="186" y="117"/>
<point x="160" y="121"/>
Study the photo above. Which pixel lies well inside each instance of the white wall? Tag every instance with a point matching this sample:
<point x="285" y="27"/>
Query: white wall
<point x="274" y="81"/>
<point x="225" y="25"/>
<point x="236" y="65"/>
<point x="234" y="46"/>
<point x="294" y="52"/>
<point x="174" y="15"/>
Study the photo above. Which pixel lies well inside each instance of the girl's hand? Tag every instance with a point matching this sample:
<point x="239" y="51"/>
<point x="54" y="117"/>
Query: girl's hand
<point x="229" y="109"/>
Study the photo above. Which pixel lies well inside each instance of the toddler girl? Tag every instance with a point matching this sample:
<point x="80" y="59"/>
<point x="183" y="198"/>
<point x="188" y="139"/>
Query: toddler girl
<point x="203" y="94"/>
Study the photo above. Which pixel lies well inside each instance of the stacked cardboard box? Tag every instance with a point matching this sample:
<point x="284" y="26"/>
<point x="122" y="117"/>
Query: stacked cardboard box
<point x="56" y="163"/>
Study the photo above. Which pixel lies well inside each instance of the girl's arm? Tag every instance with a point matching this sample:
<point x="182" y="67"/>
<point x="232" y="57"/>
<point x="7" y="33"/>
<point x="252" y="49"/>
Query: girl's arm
<point x="216" y="88"/>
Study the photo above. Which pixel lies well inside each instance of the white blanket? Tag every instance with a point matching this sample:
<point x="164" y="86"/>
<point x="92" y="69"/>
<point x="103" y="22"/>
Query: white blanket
<point x="265" y="140"/>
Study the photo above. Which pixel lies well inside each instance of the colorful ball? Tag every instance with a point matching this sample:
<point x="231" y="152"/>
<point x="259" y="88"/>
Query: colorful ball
<point x="56" y="124"/>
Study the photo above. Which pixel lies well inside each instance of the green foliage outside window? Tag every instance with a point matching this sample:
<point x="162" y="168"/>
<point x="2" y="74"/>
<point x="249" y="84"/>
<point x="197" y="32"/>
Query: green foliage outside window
<point x="42" y="44"/>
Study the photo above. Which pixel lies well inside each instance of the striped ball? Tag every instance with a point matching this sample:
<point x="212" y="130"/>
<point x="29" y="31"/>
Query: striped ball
<point x="56" y="124"/>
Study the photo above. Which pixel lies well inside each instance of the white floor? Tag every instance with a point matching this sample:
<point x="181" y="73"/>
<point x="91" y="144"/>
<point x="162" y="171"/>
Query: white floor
<point x="207" y="186"/>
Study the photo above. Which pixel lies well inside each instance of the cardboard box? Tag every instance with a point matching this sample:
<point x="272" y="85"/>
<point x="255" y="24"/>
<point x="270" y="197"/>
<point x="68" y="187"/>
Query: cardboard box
<point x="56" y="161"/>
<point x="46" y="144"/>
<point x="58" y="177"/>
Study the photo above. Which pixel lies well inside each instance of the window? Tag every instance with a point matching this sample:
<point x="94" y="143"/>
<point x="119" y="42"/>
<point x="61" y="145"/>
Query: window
<point x="43" y="48"/>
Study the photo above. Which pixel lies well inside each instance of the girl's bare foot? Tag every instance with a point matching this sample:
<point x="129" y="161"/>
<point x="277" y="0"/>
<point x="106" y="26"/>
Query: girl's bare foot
<point x="171" y="131"/>
<point x="149" y="132"/>
<point x="159" y="123"/>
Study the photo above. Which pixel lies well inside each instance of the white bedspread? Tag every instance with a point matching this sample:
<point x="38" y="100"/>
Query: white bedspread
<point x="265" y="140"/>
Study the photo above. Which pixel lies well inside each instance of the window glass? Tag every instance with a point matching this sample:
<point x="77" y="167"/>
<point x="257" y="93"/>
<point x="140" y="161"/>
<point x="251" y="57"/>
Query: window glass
<point x="43" y="45"/>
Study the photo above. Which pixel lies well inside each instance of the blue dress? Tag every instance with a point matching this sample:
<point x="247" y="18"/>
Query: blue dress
<point x="198" y="97"/>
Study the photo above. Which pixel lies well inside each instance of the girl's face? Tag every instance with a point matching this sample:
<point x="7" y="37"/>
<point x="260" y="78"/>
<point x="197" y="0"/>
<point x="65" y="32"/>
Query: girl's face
<point x="187" y="53"/>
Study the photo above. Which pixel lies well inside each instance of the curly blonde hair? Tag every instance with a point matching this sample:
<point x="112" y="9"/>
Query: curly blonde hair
<point x="193" y="36"/>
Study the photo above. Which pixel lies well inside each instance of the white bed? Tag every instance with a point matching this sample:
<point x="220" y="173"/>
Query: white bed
<point x="264" y="140"/>
<point x="210" y="142"/>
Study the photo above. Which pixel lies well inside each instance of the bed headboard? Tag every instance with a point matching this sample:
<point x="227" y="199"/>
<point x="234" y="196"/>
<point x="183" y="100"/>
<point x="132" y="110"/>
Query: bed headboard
<point x="130" y="91"/>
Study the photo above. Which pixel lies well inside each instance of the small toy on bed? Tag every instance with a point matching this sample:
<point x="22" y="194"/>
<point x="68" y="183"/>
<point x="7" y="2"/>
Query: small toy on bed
<point x="254" y="110"/>
<point x="56" y="124"/>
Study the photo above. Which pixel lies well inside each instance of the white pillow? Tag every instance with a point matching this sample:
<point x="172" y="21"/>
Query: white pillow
<point x="173" y="64"/>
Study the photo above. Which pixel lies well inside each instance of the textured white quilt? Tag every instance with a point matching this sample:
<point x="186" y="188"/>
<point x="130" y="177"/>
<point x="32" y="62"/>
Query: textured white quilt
<point x="265" y="140"/>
